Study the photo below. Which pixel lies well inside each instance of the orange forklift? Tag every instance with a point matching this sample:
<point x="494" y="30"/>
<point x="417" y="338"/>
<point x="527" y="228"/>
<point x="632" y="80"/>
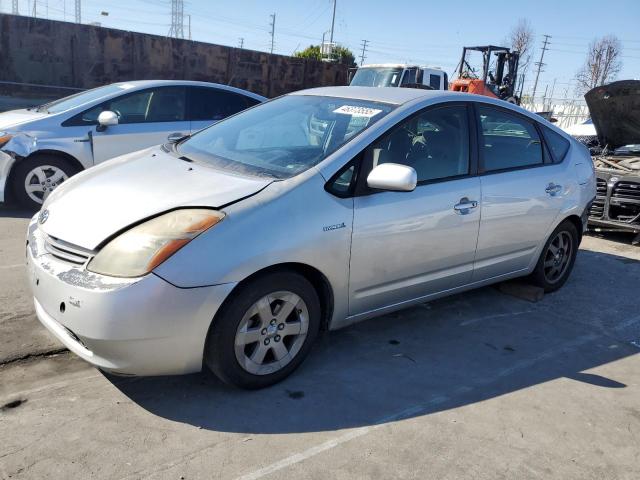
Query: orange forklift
<point x="499" y="83"/>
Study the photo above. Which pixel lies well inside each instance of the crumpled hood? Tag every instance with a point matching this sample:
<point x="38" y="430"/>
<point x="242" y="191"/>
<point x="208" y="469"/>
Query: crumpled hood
<point x="103" y="200"/>
<point x="615" y="111"/>
<point x="16" y="117"/>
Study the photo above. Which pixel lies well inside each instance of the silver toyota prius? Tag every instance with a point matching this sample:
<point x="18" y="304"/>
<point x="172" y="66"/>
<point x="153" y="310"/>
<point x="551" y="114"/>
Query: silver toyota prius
<point x="234" y="247"/>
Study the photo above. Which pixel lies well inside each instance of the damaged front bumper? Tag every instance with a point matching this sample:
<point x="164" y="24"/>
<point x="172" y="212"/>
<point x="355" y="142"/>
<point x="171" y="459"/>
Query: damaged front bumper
<point x="617" y="203"/>
<point x="128" y="326"/>
<point x="6" y="162"/>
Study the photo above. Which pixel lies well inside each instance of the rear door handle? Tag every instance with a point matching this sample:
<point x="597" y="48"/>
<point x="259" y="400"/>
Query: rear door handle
<point x="553" y="188"/>
<point x="465" y="206"/>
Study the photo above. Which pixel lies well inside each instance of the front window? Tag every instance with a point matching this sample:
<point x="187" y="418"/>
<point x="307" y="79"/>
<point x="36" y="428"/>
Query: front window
<point x="435" y="143"/>
<point x="284" y="137"/>
<point x="72" y="101"/>
<point x="377" y="77"/>
<point x="153" y="105"/>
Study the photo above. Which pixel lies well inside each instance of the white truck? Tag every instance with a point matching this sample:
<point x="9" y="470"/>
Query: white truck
<point x="399" y="75"/>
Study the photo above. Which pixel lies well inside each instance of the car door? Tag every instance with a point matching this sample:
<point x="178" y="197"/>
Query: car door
<point x="145" y="118"/>
<point x="406" y="245"/>
<point x="207" y="105"/>
<point x="521" y="191"/>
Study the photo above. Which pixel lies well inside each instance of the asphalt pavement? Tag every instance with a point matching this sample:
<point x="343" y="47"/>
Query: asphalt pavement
<point x="481" y="385"/>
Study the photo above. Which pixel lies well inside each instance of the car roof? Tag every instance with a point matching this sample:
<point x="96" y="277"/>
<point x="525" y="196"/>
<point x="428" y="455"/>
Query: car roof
<point x="392" y="95"/>
<point x="138" y="84"/>
<point x="398" y="65"/>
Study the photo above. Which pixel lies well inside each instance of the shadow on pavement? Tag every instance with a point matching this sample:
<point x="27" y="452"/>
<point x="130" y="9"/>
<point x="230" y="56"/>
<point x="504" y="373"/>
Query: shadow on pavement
<point x="449" y="353"/>
<point x="12" y="211"/>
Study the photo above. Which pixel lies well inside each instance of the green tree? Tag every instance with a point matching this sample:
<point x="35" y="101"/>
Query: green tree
<point x="340" y="54"/>
<point x="312" y="52"/>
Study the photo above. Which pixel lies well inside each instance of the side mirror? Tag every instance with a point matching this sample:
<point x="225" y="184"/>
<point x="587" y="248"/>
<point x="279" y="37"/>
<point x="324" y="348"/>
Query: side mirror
<point x="176" y="137"/>
<point x="393" y="176"/>
<point x="107" y="119"/>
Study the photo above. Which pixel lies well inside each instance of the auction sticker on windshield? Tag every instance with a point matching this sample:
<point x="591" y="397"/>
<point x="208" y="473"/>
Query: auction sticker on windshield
<point x="357" y="111"/>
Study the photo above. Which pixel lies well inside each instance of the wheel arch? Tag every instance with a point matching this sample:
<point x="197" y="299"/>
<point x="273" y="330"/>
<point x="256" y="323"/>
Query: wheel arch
<point x="577" y="222"/>
<point x="317" y="279"/>
<point x="60" y="154"/>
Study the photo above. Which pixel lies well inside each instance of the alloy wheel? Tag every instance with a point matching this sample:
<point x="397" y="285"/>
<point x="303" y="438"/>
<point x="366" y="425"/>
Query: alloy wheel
<point x="271" y="333"/>
<point x="42" y="180"/>
<point x="558" y="256"/>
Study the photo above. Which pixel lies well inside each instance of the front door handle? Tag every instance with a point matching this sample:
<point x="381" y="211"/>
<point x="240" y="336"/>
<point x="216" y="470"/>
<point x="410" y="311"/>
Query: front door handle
<point x="465" y="206"/>
<point x="553" y="188"/>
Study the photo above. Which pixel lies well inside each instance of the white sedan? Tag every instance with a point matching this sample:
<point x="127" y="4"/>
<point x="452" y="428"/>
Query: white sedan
<point x="41" y="147"/>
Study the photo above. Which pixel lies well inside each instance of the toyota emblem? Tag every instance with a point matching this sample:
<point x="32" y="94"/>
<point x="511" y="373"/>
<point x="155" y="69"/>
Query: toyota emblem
<point x="44" y="215"/>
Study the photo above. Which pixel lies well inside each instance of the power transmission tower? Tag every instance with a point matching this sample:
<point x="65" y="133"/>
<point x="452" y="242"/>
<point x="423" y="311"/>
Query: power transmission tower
<point x="14" y="7"/>
<point x="540" y="64"/>
<point x="273" y="29"/>
<point x="78" y="11"/>
<point x="364" y="49"/>
<point x="241" y="43"/>
<point x="177" y="19"/>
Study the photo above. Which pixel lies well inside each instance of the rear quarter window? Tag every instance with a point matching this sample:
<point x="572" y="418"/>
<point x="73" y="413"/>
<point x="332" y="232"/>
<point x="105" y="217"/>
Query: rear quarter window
<point x="558" y="145"/>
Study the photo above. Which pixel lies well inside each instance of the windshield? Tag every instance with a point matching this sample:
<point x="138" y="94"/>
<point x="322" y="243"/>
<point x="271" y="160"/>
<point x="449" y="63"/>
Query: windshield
<point x="377" y="77"/>
<point x="81" y="98"/>
<point x="284" y="137"/>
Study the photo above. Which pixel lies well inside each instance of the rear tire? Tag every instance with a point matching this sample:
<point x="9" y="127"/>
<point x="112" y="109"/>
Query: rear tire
<point x="264" y="331"/>
<point x="35" y="177"/>
<point x="557" y="258"/>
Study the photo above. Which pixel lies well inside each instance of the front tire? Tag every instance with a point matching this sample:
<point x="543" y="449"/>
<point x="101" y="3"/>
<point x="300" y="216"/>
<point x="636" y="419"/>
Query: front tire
<point x="265" y="331"/>
<point x="557" y="258"/>
<point x="36" y="177"/>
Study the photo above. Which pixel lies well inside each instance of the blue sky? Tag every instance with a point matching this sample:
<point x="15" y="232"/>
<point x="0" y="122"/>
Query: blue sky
<point x="400" y="30"/>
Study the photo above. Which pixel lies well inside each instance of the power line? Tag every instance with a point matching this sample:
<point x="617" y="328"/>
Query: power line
<point x="540" y="64"/>
<point x="364" y="49"/>
<point x="273" y="29"/>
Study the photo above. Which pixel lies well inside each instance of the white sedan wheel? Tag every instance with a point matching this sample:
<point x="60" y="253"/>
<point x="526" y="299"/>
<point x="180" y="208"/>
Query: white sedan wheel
<point x="42" y="180"/>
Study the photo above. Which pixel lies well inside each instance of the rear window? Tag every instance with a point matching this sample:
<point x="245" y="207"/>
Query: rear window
<point x="557" y="144"/>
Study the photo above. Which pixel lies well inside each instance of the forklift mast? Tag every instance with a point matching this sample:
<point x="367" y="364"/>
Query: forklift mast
<point x="500" y="83"/>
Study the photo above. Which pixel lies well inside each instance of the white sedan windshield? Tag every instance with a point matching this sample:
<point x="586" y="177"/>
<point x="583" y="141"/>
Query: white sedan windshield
<point x="284" y="137"/>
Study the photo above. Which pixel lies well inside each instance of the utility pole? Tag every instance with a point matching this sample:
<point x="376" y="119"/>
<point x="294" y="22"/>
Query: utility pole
<point x="78" y="11"/>
<point x="540" y="65"/>
<point x="364" y="49"/>
<point x="241" y="43"/>
<point x="14" y="7"/>
<point x="35" y="10"/>
<point x="273" y="29"/>
<point x="177" y="19"/>
<point x="189" y="17"/>
<point x="333" y="21"/>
